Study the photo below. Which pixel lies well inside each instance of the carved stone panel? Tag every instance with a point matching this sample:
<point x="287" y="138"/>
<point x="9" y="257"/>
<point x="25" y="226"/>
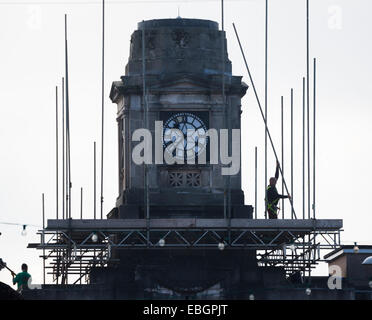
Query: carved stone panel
<point x="184" y="178"/>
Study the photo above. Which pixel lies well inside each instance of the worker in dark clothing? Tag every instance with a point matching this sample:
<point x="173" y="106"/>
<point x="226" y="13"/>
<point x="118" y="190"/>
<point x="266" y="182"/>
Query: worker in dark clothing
<point x="272" y="196"/>
<point x="21" y="279"/>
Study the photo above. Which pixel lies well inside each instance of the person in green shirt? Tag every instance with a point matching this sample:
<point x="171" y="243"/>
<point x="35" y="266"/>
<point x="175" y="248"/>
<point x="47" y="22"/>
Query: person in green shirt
<point x="21" y="278"/>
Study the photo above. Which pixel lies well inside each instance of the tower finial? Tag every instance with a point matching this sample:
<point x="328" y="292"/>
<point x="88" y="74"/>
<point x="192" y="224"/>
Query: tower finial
<point x="178" y="11"/>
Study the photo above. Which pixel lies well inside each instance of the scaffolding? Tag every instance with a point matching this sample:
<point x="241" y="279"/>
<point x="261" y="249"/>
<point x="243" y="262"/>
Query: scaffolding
<point x="73" y="247"/>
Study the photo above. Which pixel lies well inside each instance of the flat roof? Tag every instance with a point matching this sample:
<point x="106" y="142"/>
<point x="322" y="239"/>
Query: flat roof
<point x="347" y="249"/>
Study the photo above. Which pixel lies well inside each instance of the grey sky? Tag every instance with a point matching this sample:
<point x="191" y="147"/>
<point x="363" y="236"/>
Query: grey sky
<point x="32" y="64"/>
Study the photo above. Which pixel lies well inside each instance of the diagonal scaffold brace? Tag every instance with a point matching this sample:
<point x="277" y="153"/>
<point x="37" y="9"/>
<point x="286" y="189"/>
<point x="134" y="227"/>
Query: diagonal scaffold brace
<point x="263" y="116"/>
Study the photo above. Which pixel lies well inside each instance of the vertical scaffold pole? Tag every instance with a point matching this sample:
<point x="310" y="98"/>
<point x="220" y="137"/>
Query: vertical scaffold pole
<point x="266" y="64"/>
<point x="303" y="147"/>
<point x="144" y="104"/>
<point x="94" y="182"/>
<point x="255" y="182"/>
<point x="102" y="97"/>
<point x="57" y="193"/>
<point x="81" y="203"/>
<point x="308" y="105"/>
<point x="43" y="235"/>
<point x="227" y="122"/>
<point x="63" y="149"/>
<point x="282" y="127"/>
<point x="225" y="196"/>
<point x="292" y="152"/>
<point x="68" y="146"/>
<point x="314" y="119"/>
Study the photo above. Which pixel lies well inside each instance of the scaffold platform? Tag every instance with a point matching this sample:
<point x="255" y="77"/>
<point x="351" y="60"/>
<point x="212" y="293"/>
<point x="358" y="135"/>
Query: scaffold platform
<point x="76" y="245"/>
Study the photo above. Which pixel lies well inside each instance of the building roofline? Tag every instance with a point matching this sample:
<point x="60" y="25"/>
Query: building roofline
<point x="344" y="249"/>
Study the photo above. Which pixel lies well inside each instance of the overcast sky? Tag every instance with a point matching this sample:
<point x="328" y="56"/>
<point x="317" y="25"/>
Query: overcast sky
<point x="32" y="64"/>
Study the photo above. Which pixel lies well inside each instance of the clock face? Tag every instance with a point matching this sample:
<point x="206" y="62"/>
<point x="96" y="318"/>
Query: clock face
<point x="193" y="144"/>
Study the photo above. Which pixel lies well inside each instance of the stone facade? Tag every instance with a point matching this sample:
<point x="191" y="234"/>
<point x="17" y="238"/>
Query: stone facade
<point x="183" y="73"/>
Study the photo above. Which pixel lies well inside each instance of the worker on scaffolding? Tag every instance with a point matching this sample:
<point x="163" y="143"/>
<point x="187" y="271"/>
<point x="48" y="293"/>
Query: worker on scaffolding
<point x="272" y="195"/>
<point x="21" y="279"/>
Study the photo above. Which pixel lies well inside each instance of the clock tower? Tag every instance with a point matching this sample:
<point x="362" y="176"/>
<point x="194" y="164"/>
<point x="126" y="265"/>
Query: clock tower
<point x="176" y="79"/>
